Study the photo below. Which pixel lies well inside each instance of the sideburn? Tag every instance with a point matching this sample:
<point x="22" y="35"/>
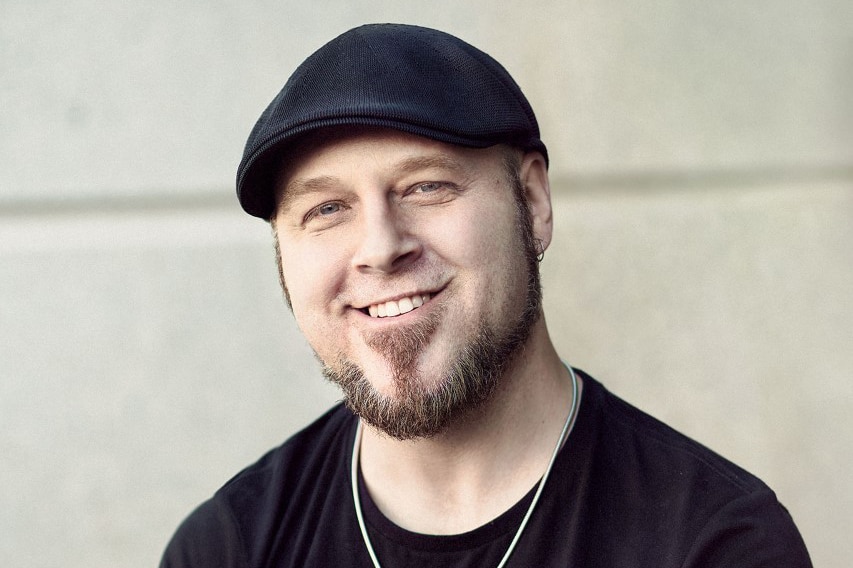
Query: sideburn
<point x="277" y="246"/>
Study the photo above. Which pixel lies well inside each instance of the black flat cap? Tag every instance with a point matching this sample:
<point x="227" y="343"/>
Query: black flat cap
<point x="408" y="78"/>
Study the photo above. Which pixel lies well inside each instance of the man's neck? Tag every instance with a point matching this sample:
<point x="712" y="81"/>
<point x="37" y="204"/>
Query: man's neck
<point x="484" y="463"/>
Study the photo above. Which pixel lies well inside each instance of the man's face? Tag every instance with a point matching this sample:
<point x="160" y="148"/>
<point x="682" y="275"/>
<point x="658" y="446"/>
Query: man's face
<point x="410" y="268"/>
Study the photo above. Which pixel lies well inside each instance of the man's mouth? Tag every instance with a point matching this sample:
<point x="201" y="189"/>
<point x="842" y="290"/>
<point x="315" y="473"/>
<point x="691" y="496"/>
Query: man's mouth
<point x="397" y="307"/>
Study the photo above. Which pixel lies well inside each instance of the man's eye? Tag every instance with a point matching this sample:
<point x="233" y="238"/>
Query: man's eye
<point x="324" y="211"/>
<point x="328" y="208"/>
<point x="432" y="192"/>
<point x="428" y="187"/>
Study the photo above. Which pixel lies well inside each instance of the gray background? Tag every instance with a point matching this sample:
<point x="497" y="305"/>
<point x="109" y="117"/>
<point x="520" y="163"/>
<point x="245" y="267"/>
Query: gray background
<point x="702" y="163"/>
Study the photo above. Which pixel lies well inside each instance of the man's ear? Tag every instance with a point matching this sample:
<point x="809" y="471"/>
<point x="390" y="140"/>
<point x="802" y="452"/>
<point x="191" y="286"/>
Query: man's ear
<point x="537" y="192"/>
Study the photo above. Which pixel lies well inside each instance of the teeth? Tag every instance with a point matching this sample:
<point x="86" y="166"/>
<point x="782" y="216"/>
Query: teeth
<point x="395" y="308"/>
<point x="406" y="305"/>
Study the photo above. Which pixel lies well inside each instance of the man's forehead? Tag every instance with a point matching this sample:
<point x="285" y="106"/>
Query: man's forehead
<point x="308" y="167"/>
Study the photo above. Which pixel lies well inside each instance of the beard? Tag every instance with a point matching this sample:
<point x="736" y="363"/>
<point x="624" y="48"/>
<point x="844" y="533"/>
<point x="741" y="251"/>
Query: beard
<point x="419" y="410"/>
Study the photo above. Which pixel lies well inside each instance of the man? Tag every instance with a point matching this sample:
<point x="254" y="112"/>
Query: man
<point x="407" y="187"/>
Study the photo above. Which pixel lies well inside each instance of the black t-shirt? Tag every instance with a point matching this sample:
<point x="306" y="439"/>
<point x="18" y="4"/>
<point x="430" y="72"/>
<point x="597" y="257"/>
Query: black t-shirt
<point x="625" y="491"/>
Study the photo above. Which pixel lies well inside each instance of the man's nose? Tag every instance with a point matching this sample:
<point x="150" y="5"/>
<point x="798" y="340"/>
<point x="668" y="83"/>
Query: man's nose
<point x="386" y="243"/>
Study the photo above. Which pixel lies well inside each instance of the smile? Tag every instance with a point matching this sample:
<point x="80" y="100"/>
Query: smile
<point x="397" y="307"/>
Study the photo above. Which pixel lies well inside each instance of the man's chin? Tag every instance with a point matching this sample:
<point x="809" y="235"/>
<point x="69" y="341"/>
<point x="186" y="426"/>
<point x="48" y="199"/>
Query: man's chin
<point x="399" y="348"/>
<point x="403" y="409"/>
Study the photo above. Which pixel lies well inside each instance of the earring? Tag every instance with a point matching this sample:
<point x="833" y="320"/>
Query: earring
<point x="541" y="248"/>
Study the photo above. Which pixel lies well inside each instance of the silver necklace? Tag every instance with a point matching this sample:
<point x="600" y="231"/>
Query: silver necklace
<point x="567" y="428"/>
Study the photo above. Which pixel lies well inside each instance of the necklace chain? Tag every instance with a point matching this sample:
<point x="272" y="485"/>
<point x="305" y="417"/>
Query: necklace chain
<point x="567" y="427"/>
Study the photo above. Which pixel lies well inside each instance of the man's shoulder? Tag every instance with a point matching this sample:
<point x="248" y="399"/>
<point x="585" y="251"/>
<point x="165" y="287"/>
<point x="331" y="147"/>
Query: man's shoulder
<point x="646" y="478"/>
<point x="656" y="493"/>
<point x="663" y="448"/>
<point x="278" y="490"/>
<point x="320" y="445"/>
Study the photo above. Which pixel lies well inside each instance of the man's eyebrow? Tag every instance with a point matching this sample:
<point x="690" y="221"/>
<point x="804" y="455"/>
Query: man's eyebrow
<point x="304" y="186"/>
<point x="417" y="163"/>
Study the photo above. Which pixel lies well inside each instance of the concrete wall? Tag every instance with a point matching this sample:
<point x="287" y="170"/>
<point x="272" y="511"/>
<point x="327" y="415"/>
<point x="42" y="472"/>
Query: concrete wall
<point x="703" y="169"/>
